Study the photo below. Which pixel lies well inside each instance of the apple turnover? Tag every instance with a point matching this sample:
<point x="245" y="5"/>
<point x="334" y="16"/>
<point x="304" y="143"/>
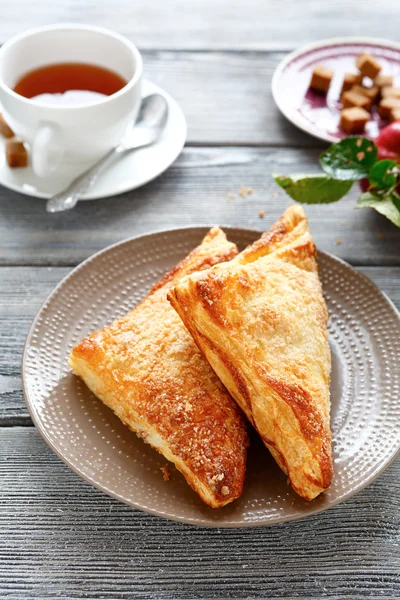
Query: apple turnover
<point x="261" y="322"/>
<point x="148" y="370"/>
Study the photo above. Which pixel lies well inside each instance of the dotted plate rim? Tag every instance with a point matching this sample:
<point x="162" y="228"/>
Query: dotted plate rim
<point x="233" y="234"/>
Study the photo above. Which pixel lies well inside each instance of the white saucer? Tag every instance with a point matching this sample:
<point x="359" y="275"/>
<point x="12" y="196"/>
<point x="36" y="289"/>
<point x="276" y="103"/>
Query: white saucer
<point x="127" y="173"/>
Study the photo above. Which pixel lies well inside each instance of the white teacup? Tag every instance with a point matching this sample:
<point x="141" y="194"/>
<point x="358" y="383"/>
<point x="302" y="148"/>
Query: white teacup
<point x="76" y="133"/>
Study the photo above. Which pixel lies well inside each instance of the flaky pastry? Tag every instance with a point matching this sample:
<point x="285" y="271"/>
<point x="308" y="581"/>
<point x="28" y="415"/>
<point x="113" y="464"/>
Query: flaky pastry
<point x="148" y="370"/>
<point x="261" y="322"/>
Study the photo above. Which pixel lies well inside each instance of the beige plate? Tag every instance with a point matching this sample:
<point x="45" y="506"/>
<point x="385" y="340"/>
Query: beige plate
<point x="365" y="341"/>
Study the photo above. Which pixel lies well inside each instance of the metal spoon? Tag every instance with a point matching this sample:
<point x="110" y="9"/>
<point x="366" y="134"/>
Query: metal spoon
<point x="149" y="125"/>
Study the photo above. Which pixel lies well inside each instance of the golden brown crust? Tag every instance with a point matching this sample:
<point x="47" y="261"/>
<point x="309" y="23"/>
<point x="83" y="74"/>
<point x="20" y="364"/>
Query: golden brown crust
<point x="261" y="322"/>
<point x="214" y="249"/>
<point x="147" y="368"/>
<point x="290" y="227"/>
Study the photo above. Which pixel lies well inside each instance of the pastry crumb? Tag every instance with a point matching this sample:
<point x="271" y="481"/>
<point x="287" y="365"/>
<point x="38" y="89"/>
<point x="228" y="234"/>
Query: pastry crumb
<point x="261" y="214"/>
<point x="339" y="242"/>
<point x="166" y="473"/>
<point x="358" y="142"/>
<point x="275" y="195"/>
<point x="381" y="235"/>
<point x="230" y="196"/>
<point x="360" y="155"/>
<point x="245" y="191"/>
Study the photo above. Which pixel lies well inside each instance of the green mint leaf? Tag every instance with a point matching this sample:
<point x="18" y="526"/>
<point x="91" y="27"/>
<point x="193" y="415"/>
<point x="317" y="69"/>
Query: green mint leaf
<point x="350" y="159"/>
<point x="387" y="206"/>
<point x="313" y="189"/>
<point x="396" y="200"/>
<point x="383" y="174"/>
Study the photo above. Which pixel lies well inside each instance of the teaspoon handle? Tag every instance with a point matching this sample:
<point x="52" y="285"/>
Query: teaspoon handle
<point x="68" y="198"/>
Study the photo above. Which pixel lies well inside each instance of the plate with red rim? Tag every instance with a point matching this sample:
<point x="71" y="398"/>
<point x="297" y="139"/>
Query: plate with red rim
<point x="316" y="113"/>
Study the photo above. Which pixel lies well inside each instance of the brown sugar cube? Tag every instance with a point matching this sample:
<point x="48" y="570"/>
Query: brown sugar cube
<point x="4" y="128"/>
<point x="394" y="115"/>
<point x="16" y="154"/>
<point x="349" y="80"/>
<point x="351" y="98"/>
<point x="387" y="105"/>
<point x="321" y="79"/>
<point x="383" y="81"/>
<point x="370" y="92"/>
<point x="391" y="92"/>
<point x="354" y="120"/>
<point x="368" y="65"/>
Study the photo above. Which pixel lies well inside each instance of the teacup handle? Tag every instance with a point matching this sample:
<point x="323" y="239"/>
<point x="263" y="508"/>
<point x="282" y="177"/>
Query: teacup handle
<point x="47" y="149"/>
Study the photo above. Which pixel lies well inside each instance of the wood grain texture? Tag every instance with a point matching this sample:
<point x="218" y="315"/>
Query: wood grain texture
<point x="226" y="96"/>
<point x="206" y="24"/>
<point x="59" y="537"/>
<point x="22" y="292"/>
<point x="192" y="192"/>
<point x="31" y="287"/>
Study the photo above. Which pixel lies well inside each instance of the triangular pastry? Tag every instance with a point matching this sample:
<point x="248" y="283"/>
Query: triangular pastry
<point x="261" y="322"/>
<point x="148" y="370"/>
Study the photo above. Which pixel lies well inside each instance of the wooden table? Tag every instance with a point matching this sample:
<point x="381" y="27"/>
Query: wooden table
<point x="59" y="537"/>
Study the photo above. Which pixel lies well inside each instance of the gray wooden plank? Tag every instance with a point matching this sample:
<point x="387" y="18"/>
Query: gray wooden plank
<point x="226" y="96"/>
<point x="61" y="538"/>
<point x="206" y="24"/>
<point x="193" y="191"/>
<point x="22" y="291"/>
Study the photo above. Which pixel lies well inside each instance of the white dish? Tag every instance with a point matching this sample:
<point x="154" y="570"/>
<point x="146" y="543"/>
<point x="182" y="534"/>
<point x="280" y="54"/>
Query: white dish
<point x="314" y="113"/>
<point x="127" y="173"/>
